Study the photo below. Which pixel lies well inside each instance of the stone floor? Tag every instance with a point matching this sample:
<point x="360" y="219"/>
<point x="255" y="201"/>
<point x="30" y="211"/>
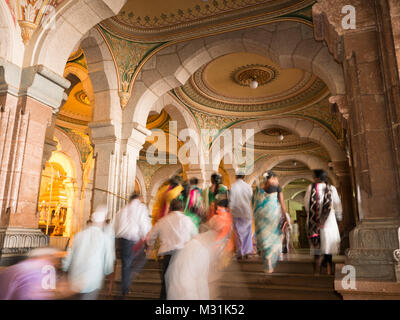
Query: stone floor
<point x="293" y="278"/>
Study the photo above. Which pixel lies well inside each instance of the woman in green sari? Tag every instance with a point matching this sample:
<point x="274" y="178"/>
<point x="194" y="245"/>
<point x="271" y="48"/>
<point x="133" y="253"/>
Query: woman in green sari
<point x="269" y="213"/>
<point x="192" y="196"/>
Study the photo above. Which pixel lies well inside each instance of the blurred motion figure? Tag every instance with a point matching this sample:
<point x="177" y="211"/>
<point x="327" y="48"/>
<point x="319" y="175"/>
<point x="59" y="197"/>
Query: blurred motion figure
<point x="91" y="257"/>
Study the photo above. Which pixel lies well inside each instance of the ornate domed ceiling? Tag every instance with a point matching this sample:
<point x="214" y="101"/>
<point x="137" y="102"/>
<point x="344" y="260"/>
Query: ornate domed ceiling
<point x="222" y="87"/>
<point x="77" y="109"/>
<point x="160" y="20"/>
<point x="268" y="140"/>
<point x="268" y="143"/>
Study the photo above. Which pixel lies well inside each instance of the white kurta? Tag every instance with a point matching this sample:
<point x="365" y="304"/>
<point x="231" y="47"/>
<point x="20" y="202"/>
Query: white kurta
<point x="240" y="200"/>
<point x="133" y="221"/>
<point x="187" y="277"/>
<point x="330" y="236"/>
<point x="90" y="259"/>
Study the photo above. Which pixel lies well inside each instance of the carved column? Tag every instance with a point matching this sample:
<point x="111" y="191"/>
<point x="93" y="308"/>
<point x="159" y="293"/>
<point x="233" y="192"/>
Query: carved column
<point x="345" y="191"/>
<point x="372" y="90"/>
<point x="115" y="168"/>
<point x="28" y="100"/>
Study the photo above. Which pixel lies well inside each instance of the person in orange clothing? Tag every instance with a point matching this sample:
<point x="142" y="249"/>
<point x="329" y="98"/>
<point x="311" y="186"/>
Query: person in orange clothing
<point x="222" y="222"/>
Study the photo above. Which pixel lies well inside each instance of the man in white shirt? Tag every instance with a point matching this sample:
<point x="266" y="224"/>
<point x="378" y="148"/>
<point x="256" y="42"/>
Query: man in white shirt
<point x="90" y="258"/>
<point x="131" y="226"/>
<point x="174" y="230"/>
<point x="240" y="203"/>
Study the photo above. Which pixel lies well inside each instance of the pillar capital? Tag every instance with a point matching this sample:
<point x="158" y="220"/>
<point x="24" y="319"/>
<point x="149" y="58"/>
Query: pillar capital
<point x="45" y="86"/>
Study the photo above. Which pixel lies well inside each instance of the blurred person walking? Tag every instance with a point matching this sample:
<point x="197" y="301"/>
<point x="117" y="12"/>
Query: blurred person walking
<point x="222" y="223"/>
<point x="269" y="212"/>
<point x="91" y="257"/>
<point x="31" y="278"/>
<point x="240" y="203"/>
<point x="193" y="200"/>
<point x="174" y="231"/>
<point x="132" y="224"/>
<point x="323" y="207"/>
<point x="213" y="194"/>
<point x="164" y="197"/>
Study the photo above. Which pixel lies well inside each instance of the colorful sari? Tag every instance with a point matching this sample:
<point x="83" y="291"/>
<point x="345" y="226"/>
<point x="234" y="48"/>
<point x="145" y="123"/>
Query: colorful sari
<point x="222" y="222"/>
<point x="163" y="199"/>
<point x="267" y="214"/>
<point x="194" y="206"/>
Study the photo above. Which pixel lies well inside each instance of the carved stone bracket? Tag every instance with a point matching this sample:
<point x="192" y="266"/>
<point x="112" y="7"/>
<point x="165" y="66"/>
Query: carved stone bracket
<point x="342" y="105"/>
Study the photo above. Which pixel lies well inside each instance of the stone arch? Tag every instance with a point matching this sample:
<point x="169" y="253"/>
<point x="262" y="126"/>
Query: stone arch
<point x="172" y="66"/>
<point x="312" y="162"/>
<point x="69" y="148"/>
<point x="176" y="110"/>
<point x="184" y="118"/>
<point x="103" y="77"/>
<point x="51" y="46"/>
<point x="11" y="45"/>
<point x="302" y="127"/>
<point x="285" y="181"/>
<point x="83" y="77"/>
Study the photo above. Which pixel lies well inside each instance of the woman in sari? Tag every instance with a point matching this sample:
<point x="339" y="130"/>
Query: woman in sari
<point x="192" y="196"/>
<point x="222" y="222"/>
<point x="269" y="213"/>
<point x="213" y="194"/>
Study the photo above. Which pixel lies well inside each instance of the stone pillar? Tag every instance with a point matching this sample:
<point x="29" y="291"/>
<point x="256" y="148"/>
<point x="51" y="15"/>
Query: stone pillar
<point x="107" y="150"/>
<point x="345" y="190"/>
<point x="115" y="166"/>
<point x="372" y="93"/>
<point x="28" y="100"/>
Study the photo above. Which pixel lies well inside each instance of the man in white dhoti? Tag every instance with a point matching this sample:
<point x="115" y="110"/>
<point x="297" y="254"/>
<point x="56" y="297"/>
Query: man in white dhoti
<point x="323" y="207"/>
<point x="240" y="202"/>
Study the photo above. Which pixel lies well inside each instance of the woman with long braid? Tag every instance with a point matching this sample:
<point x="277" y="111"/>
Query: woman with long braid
<point x="323" y="207"/>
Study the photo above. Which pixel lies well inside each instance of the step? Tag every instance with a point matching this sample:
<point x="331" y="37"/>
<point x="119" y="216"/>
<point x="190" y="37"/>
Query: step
<point x="254" y="278"/>
<point x="271" y="292"/>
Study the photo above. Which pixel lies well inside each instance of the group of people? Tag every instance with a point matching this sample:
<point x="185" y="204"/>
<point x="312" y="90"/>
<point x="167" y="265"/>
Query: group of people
<point x="193" y="234"/>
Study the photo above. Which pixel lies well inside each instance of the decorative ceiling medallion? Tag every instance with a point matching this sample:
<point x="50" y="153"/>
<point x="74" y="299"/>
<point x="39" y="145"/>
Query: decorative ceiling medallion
<point x="82" y="97"/>
<point x="262" y="73"/>
<point x="312" y="93"/>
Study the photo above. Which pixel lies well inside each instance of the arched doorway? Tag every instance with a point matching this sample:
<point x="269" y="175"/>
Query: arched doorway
<point x="56" y="197"/>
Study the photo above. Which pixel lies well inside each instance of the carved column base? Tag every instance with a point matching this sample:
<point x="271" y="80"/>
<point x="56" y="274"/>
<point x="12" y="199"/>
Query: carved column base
<point x="15" y="243"/>
<point x="372" y="247"/>
<point x="365" y="289"/>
